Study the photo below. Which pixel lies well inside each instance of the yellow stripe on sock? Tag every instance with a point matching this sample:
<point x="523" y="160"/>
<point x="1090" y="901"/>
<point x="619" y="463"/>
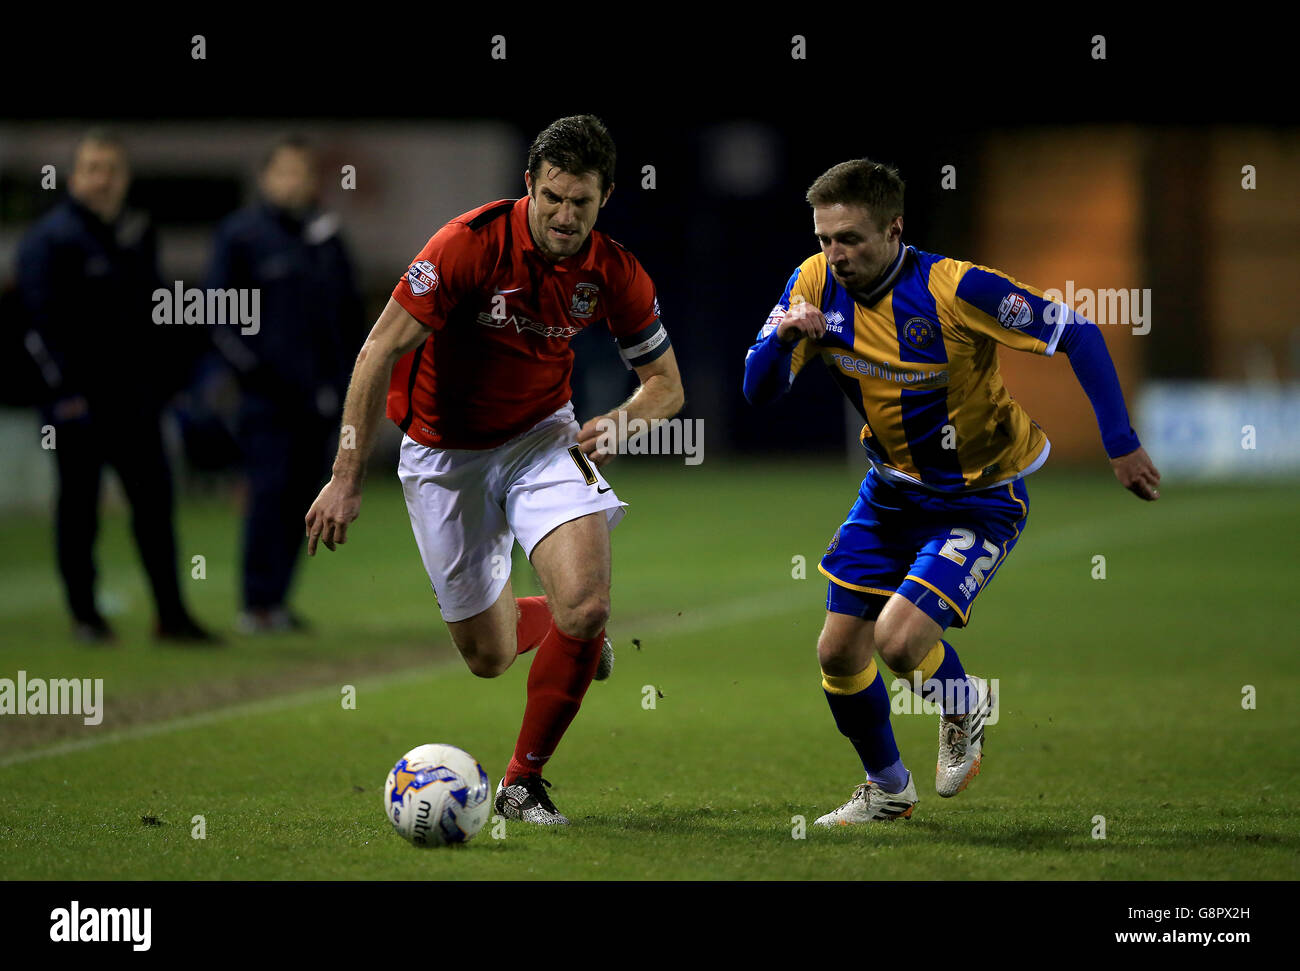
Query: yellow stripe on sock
<point x="932" y="661"/>
<point x="850" y="684"/>
<point x="929" y="665"/>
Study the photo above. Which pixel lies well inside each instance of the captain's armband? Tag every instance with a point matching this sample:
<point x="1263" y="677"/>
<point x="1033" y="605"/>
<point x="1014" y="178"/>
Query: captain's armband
<point x="646" y="345"/>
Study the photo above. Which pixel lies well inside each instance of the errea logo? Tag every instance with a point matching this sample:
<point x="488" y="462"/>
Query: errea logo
<point x="835" y="322"/>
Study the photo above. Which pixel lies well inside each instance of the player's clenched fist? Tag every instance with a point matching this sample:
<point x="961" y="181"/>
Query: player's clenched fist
<point x="802" y="320"/>
<point x="338" y="504"/>
<point x="1137" y="474"/>
<point x="589" y="439"/>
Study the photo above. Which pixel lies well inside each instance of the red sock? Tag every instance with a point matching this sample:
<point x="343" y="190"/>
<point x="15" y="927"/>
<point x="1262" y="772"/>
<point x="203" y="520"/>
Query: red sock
<point x="534" y="622"/>
<point x="557" y="680"/>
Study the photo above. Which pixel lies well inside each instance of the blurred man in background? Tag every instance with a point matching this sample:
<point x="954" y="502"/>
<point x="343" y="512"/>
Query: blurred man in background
<point x="293" y="367"/>
<point x="87" y="272"/>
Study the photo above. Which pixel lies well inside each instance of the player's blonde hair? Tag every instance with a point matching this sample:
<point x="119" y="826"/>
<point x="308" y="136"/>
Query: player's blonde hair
<point x="875" y="186"/>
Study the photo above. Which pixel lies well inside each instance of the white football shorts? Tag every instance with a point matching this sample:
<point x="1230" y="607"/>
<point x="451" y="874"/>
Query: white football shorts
<point x="468" y="506"/>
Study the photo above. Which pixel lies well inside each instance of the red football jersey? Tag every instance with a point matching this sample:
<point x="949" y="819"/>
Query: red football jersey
<point x="498" y="359"/>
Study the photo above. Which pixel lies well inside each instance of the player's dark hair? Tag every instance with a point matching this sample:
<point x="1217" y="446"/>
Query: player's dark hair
<point x="873" y="185"/>
<point x="101" y="135"/>
<point x="293" y="140"/>
<point x="577" y="145"/>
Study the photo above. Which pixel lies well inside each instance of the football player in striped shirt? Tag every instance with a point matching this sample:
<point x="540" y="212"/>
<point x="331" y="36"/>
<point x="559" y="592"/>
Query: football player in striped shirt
<point x="911" y="338"/>
<point x="473" y="357"/>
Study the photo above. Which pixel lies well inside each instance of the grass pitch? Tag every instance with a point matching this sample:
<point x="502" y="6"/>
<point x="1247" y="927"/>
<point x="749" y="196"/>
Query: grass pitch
<point x="1122" y="698"/>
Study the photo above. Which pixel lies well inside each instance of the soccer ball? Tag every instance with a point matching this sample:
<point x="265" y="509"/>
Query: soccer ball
<point x="437" y="795"/>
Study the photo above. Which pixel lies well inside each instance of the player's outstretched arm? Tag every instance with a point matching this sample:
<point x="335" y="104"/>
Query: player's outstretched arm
<point x="659" y="396"/>
<point x="395" y="333"/>
<point x="1081" y="340"/>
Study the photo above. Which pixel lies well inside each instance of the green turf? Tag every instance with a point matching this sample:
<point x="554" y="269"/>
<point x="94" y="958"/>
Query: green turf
<point x="1120" y="698"/>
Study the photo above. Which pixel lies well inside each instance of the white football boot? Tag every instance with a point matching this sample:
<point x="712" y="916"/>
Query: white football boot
<point x="526" y="799"/>
<point x="870" y="803"/>
<point x="961" y="743"/>
<point x="606" y="664"/>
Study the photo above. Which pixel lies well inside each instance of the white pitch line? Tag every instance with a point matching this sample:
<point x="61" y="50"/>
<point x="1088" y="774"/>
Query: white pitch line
<point x="704" y="618"/>
<point x="260" y="707"/>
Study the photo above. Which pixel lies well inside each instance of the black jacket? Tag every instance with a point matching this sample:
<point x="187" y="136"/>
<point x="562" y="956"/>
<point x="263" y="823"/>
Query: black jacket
<point x="87" y="288"/>
<point x="311" y="319"/>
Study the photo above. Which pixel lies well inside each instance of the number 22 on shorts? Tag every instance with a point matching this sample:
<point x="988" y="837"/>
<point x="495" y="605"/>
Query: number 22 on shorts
<point x="964" y="539"/>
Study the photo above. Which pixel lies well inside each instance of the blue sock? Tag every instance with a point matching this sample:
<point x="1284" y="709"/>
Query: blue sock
<point x="958" y="694"/>
<point x="892" y="778"/>
<point x="860" y="705"/>
<point x="943" y="680"/>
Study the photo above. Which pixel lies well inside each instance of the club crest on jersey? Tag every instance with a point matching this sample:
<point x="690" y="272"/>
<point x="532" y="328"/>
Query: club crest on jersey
<point x="835" y="542"/>
<point x="584" y="300"/>
<point x="1014" y="312"/>
<point x="919" y="332"/>
<point x="423" y="277"/>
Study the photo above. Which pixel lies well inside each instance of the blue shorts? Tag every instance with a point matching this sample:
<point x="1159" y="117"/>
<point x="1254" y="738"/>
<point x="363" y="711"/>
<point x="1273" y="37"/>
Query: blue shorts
<point x="938" y="551"/>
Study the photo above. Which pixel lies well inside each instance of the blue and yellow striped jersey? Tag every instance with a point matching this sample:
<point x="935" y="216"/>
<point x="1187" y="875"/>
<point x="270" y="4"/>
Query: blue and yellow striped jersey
<point x="917" y="357"/>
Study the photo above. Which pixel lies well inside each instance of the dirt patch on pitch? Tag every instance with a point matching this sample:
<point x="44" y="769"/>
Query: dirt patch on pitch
<point x="205" y="695"/>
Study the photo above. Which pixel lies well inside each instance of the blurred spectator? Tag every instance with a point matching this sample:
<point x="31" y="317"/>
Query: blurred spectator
<point x="293" y="366"/>
<point x="86" y="272"/>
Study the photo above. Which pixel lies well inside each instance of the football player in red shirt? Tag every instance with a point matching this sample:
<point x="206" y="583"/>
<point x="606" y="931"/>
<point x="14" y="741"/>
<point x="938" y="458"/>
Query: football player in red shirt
<point x="472" y="358"/>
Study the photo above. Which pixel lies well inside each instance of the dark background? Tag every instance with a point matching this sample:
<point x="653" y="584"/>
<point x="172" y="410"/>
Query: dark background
<point x="920" y="90"/>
